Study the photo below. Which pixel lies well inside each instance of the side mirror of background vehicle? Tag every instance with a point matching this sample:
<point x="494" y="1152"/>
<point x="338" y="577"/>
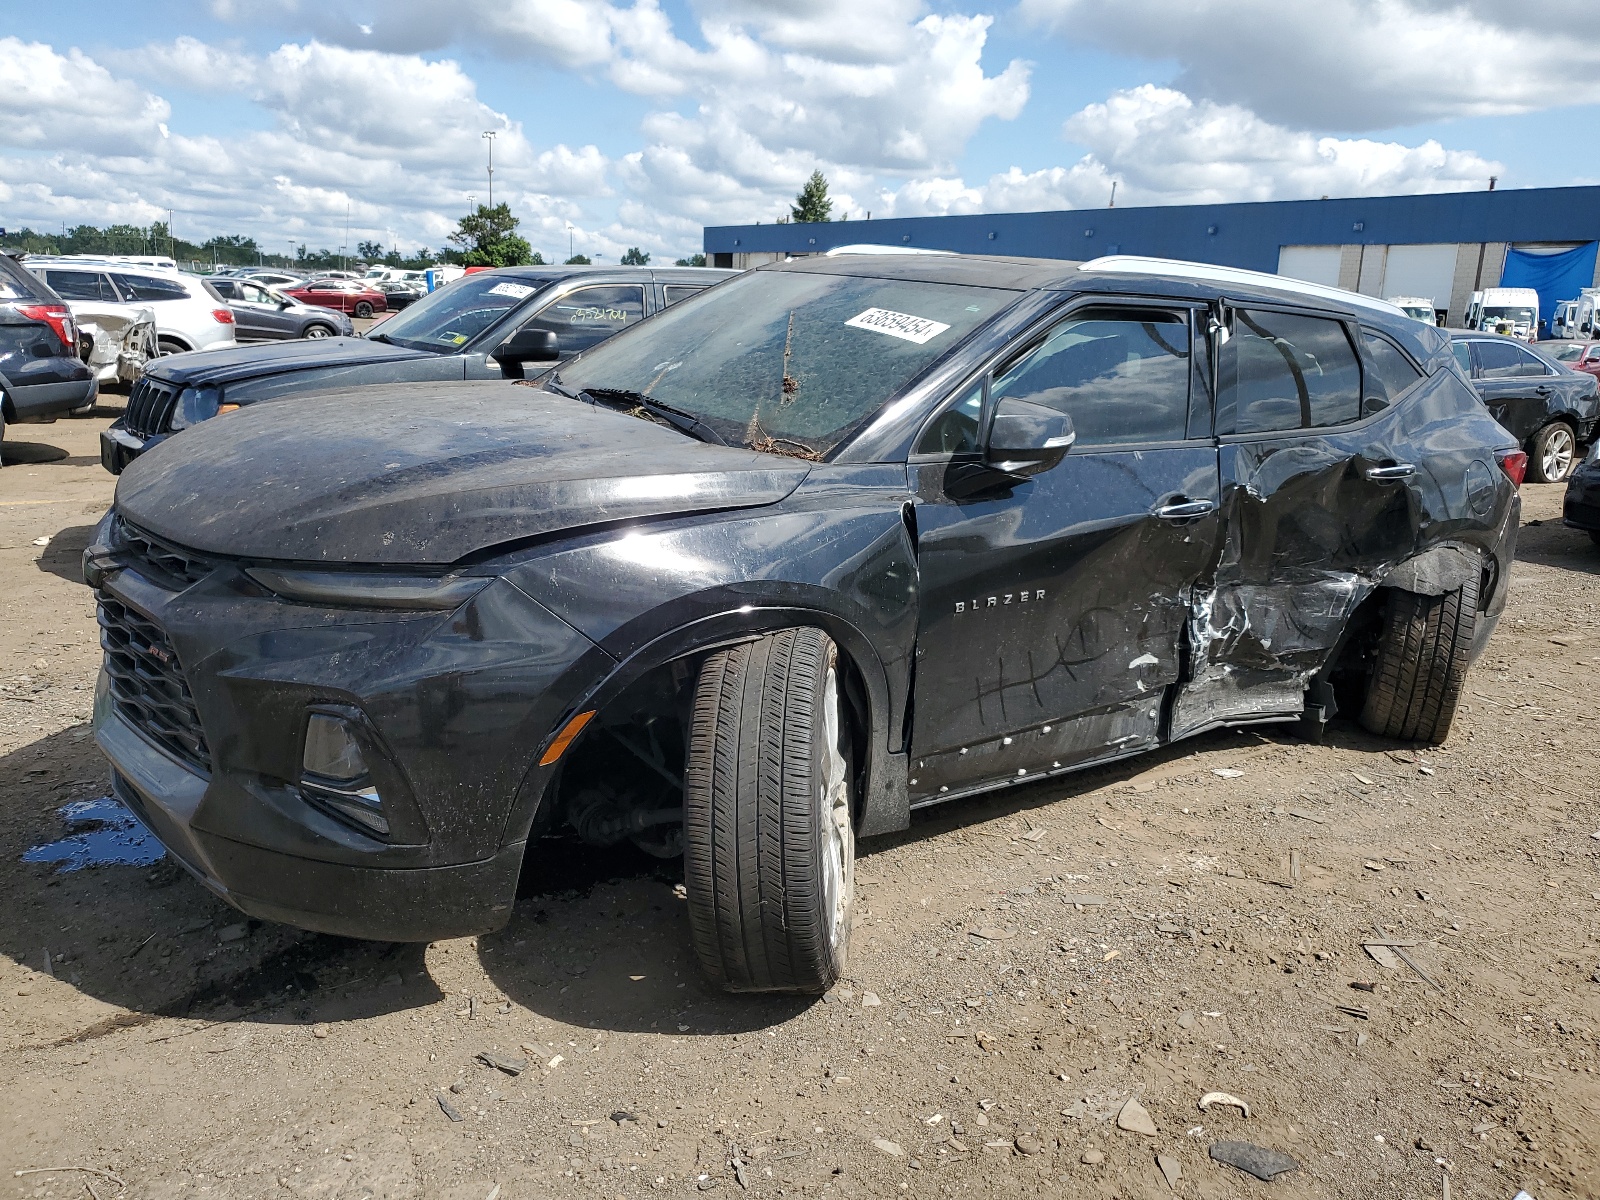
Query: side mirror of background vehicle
<point x="526" y="346"/>
<point x="1027" y="438"/>
<point x="283" y="304"/>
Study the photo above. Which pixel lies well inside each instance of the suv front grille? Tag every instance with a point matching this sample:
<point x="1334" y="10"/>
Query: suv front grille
<point x="159" y="561"/>
<point x="150" y="405"/>
<point x="148" y="688"/>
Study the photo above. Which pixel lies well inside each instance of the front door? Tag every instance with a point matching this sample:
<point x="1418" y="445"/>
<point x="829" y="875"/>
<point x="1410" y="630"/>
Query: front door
<point x="259" y="316"/>
<point x="1053" y="611"/>
<point x="1314" y="509"/>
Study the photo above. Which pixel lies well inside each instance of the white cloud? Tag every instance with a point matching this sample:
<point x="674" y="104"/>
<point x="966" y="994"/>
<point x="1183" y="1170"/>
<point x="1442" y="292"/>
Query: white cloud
<point x="49" y="100"/>
<point x="1347" y="64"/>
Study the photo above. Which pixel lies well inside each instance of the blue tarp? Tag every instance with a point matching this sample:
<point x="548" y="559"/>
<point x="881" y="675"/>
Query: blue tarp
<point x="1556" y="277"/>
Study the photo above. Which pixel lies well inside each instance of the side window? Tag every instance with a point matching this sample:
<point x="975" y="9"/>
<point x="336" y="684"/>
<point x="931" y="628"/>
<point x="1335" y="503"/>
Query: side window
<point x="589" y="315"/>
<point x="678" y="291"/>
<point x="1121" y="374"/>
<point x="256" y="294"/>
<point x="226" y="288"/>
<point x="1530" y="364"/>
<point x="1499" y="360"/>
<point x="146" y="287"/>
<point x="955" y="431"/>
<point x="76" y="285"/>
<point x="1389" y="373"/>
<point x="1463" y="354"/>
<point x="1285" y="371"/>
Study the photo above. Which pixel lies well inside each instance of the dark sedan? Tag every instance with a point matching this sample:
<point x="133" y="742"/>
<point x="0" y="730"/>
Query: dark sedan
<point x="1550" y="409"/>
<point x="263" y="315"/>
<point x="484" y="326"/>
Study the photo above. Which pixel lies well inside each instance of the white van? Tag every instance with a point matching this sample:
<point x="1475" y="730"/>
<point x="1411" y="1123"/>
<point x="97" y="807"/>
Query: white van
<point x="1511" y="311"/>
<point x="1564" y="324"/>
<point x="1419" y="307"/>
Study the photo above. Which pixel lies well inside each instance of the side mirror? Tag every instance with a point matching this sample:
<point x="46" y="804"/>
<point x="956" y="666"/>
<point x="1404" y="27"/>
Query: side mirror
<point x="1027" y="438"/>
<point x="526" y="346"/>
<point x="283" y="304"/>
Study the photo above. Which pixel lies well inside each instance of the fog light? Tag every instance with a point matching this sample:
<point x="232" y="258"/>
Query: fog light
<point x="333" y="773"/>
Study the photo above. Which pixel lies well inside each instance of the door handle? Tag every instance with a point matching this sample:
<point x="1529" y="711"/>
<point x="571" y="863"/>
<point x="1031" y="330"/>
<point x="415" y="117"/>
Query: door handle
<point x="1186" y="510"/>
<point x="1542" y="390"/>
<point x="1391" y="472"/>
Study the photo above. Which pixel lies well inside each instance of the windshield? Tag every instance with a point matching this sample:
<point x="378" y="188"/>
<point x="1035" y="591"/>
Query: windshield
<point x="1569" y="354"/>
<point x="787" y="361"/>
<point x="1420" y="313"/>
<point x="1521" y="316"/>
<point x="449" y="318"/>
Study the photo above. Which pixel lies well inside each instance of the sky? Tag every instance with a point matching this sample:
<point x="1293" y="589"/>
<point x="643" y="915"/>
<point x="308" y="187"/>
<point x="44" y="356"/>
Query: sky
<point x="624" y="123"/>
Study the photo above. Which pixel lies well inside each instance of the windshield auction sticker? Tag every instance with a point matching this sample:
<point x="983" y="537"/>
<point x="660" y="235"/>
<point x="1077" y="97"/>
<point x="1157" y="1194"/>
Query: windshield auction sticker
<point x="517" y="291"/>
<point x="899" y="325"/>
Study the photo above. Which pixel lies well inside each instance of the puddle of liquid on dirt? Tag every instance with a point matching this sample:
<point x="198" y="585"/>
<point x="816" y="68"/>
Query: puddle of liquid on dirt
<point x="100" y="833"/>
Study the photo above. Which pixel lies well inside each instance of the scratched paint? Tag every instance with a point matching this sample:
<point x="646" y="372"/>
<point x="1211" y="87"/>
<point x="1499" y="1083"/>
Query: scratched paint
<point x="101" y="833"/>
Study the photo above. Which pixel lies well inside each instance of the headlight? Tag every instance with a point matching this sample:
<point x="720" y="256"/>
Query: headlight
<point x="349" y="589"/>
<point x="334" y="775"/>
<point x="194" y="405"/>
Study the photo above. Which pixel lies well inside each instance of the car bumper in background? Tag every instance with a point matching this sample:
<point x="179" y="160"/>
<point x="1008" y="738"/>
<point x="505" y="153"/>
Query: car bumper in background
<point x="1581" y="508"/>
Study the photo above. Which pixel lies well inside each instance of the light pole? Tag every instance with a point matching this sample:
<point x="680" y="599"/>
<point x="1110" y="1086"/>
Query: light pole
<point x="569" y="240"/>
<point x="489" y="136"/>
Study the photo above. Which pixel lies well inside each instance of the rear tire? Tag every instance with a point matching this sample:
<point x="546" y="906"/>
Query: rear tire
<point x="363" y="309"/>
<point x="1423" y="654"/>
<point x="769" y="857"/>
<point x="1551" y="453"/>
<point x="166" y="346"/>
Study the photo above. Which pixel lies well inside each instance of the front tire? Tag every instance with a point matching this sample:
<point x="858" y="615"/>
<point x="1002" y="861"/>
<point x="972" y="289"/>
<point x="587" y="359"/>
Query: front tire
<point x="1423" y="655"/>
<point x="769" y="857"/>
<point x="319" y="331"/>
<point x="1552" y="452"/>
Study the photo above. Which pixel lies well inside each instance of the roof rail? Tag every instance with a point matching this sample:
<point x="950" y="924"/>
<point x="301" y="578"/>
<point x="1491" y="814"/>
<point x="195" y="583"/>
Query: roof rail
<point x="869" y="248"/>
<point x="1133" y="264"/>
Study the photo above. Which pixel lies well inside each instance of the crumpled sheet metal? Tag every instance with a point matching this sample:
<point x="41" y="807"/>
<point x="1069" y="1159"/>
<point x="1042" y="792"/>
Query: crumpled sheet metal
<point x="123" y="341"/>
<point x="1257" y="646"/>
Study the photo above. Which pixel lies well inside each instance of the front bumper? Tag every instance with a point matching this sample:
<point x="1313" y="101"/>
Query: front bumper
<point x="119" y="447"/>
<point x="458" y="706"/>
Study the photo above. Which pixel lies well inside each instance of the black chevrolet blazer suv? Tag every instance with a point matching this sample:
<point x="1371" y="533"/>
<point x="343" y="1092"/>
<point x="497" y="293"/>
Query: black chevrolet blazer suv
<point x="838" y="539"/>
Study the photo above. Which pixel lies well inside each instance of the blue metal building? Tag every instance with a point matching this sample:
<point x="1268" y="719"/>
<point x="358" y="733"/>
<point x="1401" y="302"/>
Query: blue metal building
<point x="1442" y="247"/>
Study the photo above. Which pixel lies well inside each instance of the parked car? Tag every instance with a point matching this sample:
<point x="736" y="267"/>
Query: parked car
<point x="1550" y="410"/>
<point x="343" y="295"/>
<point x="462" y="331"/>
<point x="116" y="340"/>
<point x="673" y="595"/>
<point x="42" y="376"/>
<point x="270" y="278"/>
<point x="1576" y="356"/>
<point x="399" y="293"/>
<point x="1581" y="507"/>
<point x="1417" y="307"/>
<point x="264" y="315"/>
<point x="190" y="315"/>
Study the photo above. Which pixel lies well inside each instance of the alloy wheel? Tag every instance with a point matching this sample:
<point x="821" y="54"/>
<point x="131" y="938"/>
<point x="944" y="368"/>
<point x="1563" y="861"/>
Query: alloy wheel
<point x="1558" y="453"/>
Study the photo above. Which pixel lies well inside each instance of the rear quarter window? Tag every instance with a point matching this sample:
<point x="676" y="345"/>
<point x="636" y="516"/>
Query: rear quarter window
<point x="1389" y="372"/>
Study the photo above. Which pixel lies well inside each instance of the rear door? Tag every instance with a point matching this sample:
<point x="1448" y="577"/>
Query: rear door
<point x="1053" y="610"/>
<point x="1316" y="501"/>
<point x="1514" y="385"/>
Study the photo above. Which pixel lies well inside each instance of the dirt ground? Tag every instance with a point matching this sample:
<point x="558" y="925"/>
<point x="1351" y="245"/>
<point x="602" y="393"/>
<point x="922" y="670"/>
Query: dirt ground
<point x="1187" y="923"/>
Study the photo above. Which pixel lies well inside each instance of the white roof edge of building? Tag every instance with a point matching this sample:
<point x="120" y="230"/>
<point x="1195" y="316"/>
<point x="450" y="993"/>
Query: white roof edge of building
<point x="870" y="248"/>
<point x="1134" y="264"/>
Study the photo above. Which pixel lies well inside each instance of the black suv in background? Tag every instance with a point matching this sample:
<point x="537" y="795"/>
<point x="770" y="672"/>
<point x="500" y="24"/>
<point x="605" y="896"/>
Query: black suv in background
<point x="1549" y="408"/>
<point x="41" y="375"/>
<point x="840" y="538"/>
<point x="483" y="326"/>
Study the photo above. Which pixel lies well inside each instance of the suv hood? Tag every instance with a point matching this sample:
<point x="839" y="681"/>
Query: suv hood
<point x="276" y="358"/>
<point x="427" y="474"/>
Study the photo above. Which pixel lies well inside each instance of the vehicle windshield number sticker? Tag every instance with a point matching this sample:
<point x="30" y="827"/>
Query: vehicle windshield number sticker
<point x="517" y="291"/>
<point x="899" y="325"/>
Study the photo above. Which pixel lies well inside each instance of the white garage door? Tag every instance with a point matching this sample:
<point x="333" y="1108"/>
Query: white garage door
<point x="1421" y="271"/>
<point x="1314" y="264"/>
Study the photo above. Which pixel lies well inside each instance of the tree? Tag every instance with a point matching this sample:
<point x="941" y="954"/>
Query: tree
<point x="370" y="251"/>
<point x="694" y="260"/>
<point x="812" y="204"/>
<point x="488" y="237"/>
<point x="578" y="260"/>
<point x="635" y="257"/>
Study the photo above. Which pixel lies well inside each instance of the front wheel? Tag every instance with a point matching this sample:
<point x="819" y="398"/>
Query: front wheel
<point x="1551" y="453"/>
<point x="318" y="331"/>
<point x="1423" y="654"/>
<point x="769" y="856"/>
<point x="363" y="309"/>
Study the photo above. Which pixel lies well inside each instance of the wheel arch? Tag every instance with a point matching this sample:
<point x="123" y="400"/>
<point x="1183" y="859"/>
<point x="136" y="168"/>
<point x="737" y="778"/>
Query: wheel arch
<point x="883" y="803"/>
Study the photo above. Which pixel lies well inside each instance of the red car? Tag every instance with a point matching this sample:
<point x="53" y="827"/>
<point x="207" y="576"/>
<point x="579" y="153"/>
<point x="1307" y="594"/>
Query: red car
<point x="1580" y="356"/>
<point x="346" y="295"/>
